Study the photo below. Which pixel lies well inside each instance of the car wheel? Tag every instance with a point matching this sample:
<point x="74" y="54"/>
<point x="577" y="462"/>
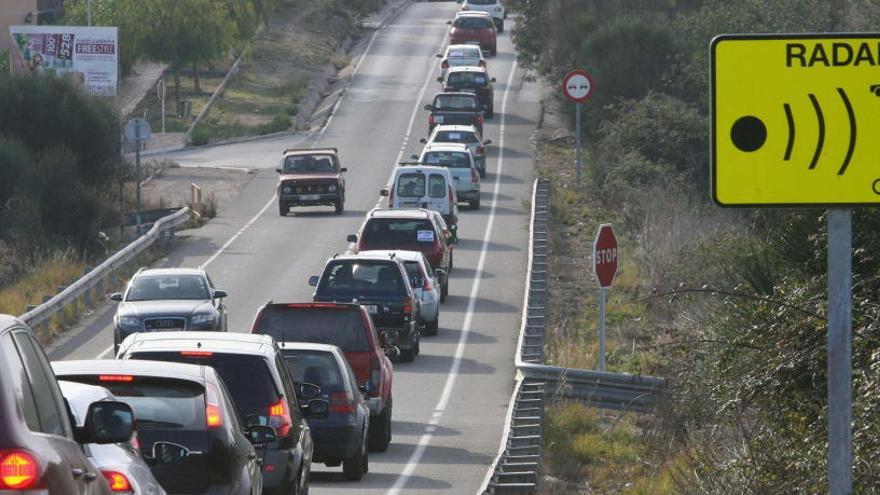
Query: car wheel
<point x="355" y="466"/>
<point x="491" y="112"/>
<point x="494" y="51"/>
<point x="501" y="27"/>
<point x="340" y="205"/>
<point x="482" y="172"/>
<point x="408" y="355"/>
<point x="432" y="326"/>
<point x="475" y="204"/>
<point x="283" y="208"/>
<point x="444" y="290"/>
<point x="380" y="435"/>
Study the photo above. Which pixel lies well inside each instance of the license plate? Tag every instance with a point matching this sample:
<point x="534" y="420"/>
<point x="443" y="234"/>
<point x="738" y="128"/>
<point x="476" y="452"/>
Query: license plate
<point x="372" y="308"/>
<point x="310" y="197"/>
<point x="408" y="205"/>
<point x="438" y="119"/>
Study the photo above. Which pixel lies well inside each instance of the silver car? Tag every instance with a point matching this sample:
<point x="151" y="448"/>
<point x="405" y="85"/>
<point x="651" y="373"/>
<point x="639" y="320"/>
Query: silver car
<point x="424" y="284"/>
<point x="465" y="134"/>
<point x="460" y="56"/>
<point x="120" y="463"/>
<point x="457" y="158"/>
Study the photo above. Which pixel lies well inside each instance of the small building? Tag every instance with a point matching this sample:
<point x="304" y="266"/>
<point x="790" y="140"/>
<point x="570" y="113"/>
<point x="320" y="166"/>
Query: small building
<point x="15" y="13"/>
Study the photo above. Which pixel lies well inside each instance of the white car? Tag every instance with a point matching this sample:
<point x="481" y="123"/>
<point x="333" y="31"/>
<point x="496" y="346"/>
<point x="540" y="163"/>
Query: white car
<point x="457" y="158"/>
<point x="465" y="134"/>
<point x="431" y="188"/>
<point x="460" y="56"/>
<point x="491" y="7"/>
<point x="424" y="284"/>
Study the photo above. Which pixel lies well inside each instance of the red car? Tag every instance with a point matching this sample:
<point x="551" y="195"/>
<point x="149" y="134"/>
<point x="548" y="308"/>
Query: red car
<point x="471" y="28"/>
<point x="349" y="327"/>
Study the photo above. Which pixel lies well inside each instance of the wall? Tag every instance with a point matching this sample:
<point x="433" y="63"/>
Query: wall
<point x="13" y="12"/>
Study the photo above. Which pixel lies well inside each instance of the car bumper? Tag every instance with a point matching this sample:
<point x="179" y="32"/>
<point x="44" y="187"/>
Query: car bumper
<point x="335" y="442"/>
<point x="468" y="195"/>
<point x="375" y="405"/>
<point x="403" y="338"/>
<point x="430" y="310"/>
<point x="309" y="199"/>
<point x="280" y="460"/>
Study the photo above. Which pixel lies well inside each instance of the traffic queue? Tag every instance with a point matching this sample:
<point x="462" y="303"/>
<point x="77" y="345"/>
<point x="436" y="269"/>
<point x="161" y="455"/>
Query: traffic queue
<point x="189" y="407"/>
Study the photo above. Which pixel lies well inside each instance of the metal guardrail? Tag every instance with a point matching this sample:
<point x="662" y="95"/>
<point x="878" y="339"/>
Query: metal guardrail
<point x="94" y="283"/>
<point x="517" y="467"/>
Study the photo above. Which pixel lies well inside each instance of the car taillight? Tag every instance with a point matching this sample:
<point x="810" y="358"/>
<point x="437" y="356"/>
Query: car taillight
<point x="428" y="285"/>
<point x="482" y="63"/>
<point x="135" y="443"/>
<point x="407" y="306"/>
<point x="391" y="196"/>
<point x="279" y="417"/>
<point x="481" y="150"/>
<point x="430" y="119"/>
<point x="117" y="481"/>
<point x="341" y="402"/>
<point x="451" y="200"/>
<point x="444" y="65"/>
<point x="475" y="177"/>
<point x="480" y="119"/>
<point x="213" y="411"/>
<point x="197" y="354"/>
<point x="115" y="378"/>
<point x="18" y="470"/>
<point x="375" y="374"/>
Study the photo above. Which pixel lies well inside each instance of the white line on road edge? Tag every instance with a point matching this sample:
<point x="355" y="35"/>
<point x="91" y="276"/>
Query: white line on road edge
<point x="426" y="437"/>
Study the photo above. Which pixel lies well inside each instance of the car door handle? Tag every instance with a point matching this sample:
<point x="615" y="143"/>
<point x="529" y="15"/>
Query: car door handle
<point x="77" y="472"/>
<point x="90" y="476"/>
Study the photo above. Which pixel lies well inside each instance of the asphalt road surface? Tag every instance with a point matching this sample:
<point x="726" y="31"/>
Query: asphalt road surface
<point x="449" y="405"/>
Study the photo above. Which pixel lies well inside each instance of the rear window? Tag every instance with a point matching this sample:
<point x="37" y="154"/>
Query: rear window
<point x="466" y="79"/>
<point x="247" y="377"/>
<point x="342" y="328"/>
<point x="315" y="367"/>
<point x="411" y="185"/>
<point x="473" y="23"/>
<point x="455" y="102"/>
<point x="309" y="163"/>
<point x="436" y="186"/>
<point x="464" y="53"/>
<point x="451" y="159"/>
<point x="456" y="137"/>
<point x="482" y="2"/>
<point x="362" y="278"/>
<point x="396" y="231"/>
<point x="162" y="404"/>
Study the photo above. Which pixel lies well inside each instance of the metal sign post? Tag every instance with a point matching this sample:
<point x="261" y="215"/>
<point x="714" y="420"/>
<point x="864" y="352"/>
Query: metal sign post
<point x="136" y="132"/>
<point x="578" y="87"/>
<point x="605" y="269"/>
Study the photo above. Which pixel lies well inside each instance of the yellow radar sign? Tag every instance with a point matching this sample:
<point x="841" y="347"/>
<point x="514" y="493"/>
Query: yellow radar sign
<point x="796" y="120"/>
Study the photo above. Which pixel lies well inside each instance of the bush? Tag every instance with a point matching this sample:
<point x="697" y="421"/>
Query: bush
<point x="199" y="136"/>
<point x="279" y="123"/>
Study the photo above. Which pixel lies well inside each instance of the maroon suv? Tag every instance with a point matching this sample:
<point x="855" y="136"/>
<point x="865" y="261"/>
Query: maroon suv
<point x="470" y="28"/>
<point x="409" y="230"/>
<point x="311" y="177"/>
<point x="349" y="327"/>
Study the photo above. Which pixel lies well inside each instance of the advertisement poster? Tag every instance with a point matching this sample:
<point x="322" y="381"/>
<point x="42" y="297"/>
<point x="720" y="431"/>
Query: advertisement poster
<point x="90" y="55"/>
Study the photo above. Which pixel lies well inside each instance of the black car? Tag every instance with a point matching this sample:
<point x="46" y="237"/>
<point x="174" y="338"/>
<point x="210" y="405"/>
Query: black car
<point x="341" y="437"/>
<point x="378" y="282"/>
<point x="261" y="388"/>
<point x="168" y="299"/>
<point x="188" y="431"/>
<point x="39" y="448"/>
<point x="476" y="79"/>
<point x="455" y="109"/>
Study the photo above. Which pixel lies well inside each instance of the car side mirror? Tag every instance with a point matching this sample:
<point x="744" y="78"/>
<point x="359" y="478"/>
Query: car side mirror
<point x="384" y="193"/>
<point x="369" y="387"/>
<point x="352" y="238"/>
<point x="493" y="79"/>
<point x="308" y="391"/>
<point x="116" y="296"/>
<point x="439" y="273"/>
<point x="439" y="55"/>
<point x="449" y="22"/>
<point x="313" y="280"/>
<point x="316" y="409"/>
<point x="487" y="142"/>
<point x="414" y="157"/>
<point x="169" y="453"/>
<point x="440" y="79"/>
<point x="107" y="421"/>
<point x="278" y="171"/>
<point x="260" y="434"/>
<point x="423" y="141"/>
<point x="429" y="107"/>
<point x="220" y="294"/>
<point x="343" y="170"/>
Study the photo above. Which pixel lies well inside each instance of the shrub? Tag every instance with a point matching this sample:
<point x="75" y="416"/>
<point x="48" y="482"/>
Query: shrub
<point x="199" y="136"/>
<point x="280" y="122"/>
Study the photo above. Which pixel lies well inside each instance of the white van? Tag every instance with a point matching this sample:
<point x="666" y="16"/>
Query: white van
<point x="422" y="186"/>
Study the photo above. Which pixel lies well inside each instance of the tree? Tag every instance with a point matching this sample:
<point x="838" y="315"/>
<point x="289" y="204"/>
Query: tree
<point x="117" y="13"/>
<point x="183" y="33"/>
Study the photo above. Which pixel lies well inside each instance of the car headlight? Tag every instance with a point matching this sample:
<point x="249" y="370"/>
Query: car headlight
<point x="130" y="323"/>
<point x="286" y="189"/>
<point x="201" y="319"/>
<point x="332" y="188"/>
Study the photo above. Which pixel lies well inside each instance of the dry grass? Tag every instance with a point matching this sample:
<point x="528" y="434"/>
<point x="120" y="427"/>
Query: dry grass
<point x="61" y="269"/>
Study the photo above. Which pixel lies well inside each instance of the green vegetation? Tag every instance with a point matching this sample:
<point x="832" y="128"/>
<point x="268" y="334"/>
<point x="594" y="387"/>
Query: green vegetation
<point x="729" y="305"/>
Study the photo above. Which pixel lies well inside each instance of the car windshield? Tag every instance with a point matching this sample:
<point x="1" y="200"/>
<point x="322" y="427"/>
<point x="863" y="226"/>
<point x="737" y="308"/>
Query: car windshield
<point x="362" y="278"/>
<point x="451" y="159"/>
<point x="464" y="53"/>
<point x="455" y="102"/>
<point x="456" y="137"/>
<point x="309" y="163"/>
<point x="340" y="327"/>
<point x="162" y="404"/>
<point x="316" y="367"/>
<point x="466" y="79"/>
<point x="473" y="23"/>
<point x="168" y="287"/>
<point x="394" y="232"/>
<point x="411" y="185"/>
<point x="246" y="376"/>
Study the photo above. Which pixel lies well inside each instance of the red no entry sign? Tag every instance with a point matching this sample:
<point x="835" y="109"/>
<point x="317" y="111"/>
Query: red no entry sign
<point x="605" y="255"/>
<point x="578" y="86"/>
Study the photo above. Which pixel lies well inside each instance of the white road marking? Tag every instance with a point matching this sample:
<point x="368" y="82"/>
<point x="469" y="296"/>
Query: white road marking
<point x="104" y="353"/>
<point x="426" y="437"/>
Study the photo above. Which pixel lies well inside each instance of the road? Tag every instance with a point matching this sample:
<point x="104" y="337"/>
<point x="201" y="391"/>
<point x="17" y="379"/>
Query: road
<point x="450" y="403"/>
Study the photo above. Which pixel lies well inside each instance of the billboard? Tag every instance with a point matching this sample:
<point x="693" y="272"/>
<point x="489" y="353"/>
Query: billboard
<point x="90" y="55"/>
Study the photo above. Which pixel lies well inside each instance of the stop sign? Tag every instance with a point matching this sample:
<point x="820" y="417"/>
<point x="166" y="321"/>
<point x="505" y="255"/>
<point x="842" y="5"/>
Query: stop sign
<point x="605" y="255"/>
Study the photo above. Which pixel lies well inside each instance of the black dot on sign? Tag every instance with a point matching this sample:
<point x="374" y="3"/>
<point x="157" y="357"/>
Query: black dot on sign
<point x="748" y="133"/>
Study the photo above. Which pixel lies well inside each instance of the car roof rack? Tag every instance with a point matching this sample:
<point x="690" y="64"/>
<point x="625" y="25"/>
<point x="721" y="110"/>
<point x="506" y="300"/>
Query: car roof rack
<point x="310" y="150"/>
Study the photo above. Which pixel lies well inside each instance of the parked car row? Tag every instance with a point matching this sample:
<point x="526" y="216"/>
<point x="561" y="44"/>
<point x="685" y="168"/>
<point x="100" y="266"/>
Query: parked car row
<point x="188" y="407"/>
